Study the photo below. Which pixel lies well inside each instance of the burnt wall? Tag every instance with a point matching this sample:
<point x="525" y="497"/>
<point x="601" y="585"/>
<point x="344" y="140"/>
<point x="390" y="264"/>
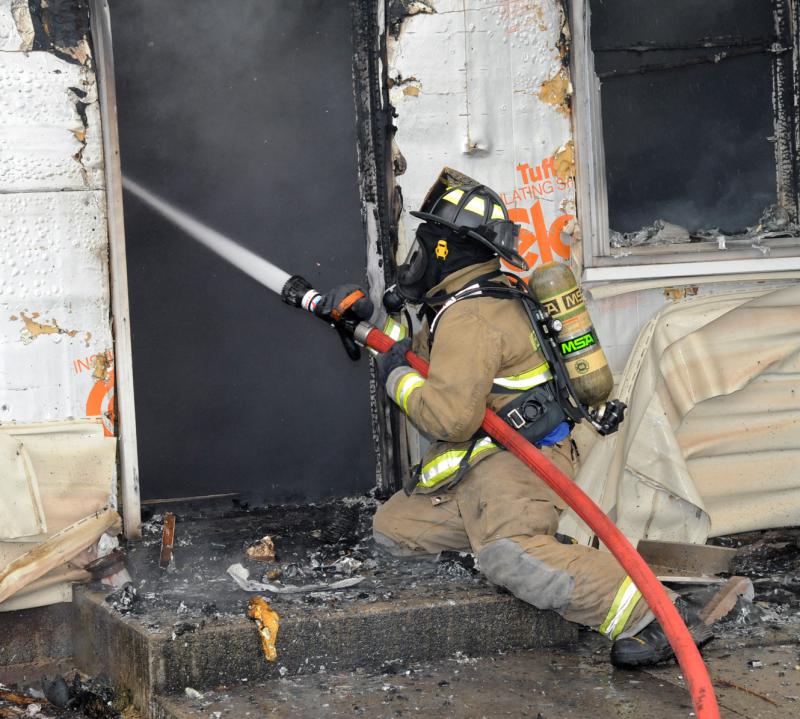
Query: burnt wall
<point x="242" y="114"/>
<point x="687" y="100"/>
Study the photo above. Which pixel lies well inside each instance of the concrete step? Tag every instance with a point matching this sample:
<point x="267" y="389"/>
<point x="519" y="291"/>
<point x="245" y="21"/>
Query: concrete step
<point x="758" y="683"/>
<point x="546" y="684"/>
<point x="144" y="655"/>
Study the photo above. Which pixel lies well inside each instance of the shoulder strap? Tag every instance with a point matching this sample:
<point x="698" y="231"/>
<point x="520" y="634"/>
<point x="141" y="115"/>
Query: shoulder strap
<point x="482" y="286"/>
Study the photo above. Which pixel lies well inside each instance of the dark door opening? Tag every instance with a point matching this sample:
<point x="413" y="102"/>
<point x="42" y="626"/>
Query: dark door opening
<point x="242" y="114"/>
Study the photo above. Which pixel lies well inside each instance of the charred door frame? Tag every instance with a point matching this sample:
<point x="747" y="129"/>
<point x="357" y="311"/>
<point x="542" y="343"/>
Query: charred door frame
<point x="128" y="458"/>
<point x="381" y="204"/>
<point x="591" y="187"/>
<point x="786" y="90"/>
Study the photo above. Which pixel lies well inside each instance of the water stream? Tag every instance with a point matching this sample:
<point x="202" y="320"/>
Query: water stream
<point x="248" y="262"/>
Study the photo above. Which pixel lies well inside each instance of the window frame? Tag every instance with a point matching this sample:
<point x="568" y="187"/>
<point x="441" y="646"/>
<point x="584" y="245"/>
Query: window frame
<point x="601" y="262"/>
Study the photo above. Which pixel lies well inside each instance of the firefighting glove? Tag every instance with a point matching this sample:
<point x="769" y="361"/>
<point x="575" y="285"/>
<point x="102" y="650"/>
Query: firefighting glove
<point x="343" y="298"/>
<point x="391" y="360"/>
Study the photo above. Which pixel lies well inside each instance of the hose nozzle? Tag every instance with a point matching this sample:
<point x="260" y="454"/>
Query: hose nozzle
<point x="295" y="291"/>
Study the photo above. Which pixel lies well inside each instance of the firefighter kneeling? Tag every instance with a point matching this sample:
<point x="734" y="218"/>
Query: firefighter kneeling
<point x="469" y="494"/>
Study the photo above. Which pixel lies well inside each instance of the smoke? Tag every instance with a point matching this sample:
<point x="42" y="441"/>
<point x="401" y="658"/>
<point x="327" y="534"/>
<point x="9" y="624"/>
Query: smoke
<point x="234" y="109"/>
<point x="241" y="114"/>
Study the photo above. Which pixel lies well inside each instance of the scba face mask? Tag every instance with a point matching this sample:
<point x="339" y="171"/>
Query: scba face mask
<point x="424" y="265"/>
<point x="436" y="253"/>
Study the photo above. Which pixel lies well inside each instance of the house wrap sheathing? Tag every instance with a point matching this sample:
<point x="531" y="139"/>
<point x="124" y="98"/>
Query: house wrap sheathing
<point x="57" y="434"/>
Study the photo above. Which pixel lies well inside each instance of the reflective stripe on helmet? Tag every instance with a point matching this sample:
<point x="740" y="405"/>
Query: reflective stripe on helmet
<point x="405" y="387"/>
<point x="454" y="196"/>
<point x="621" y="609"/>
<point x="476" y="205"/>
<point x="526" y="380"/>
<point x="497" y="213"/>
<point x="445" y="465"/>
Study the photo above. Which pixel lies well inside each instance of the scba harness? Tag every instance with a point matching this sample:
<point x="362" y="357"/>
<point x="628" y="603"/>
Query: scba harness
<point x="535" y="412"/>
<point x="546" y="406"/>
<point x="605" y="418"/>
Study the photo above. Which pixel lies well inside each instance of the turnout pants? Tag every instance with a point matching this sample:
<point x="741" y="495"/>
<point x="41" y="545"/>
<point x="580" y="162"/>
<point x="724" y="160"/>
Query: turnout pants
<point x="507" y="516"/>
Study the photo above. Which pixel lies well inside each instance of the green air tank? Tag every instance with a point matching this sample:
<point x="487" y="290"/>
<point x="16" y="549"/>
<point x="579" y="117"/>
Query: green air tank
<point x="557" y="290"/>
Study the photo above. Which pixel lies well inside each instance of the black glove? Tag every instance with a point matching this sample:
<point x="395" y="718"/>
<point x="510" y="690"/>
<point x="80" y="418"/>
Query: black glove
<point x="330" y="303"/>
<point x="391" y="360"/>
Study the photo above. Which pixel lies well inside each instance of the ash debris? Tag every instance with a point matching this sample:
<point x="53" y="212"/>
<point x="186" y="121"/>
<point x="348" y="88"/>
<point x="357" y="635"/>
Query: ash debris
<point x="660" y="232"/>
<point x="771" y="559"/>
<point x="773" y="563"/>
<point x="125" y="599"/>
<point x="59" y="698"/>
<point x="314" y="545"/>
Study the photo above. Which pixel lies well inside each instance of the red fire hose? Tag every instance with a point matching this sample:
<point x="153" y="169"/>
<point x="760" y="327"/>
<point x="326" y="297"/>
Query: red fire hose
<point x="694" y="669"/>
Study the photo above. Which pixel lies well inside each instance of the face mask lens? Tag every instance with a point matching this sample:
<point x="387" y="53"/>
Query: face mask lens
<point x="413" y="269"/>
<point x="411" y="275"/>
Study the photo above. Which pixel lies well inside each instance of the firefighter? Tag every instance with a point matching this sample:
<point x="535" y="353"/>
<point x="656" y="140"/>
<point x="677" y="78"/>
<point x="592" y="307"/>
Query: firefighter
<point x="468" y="493"/>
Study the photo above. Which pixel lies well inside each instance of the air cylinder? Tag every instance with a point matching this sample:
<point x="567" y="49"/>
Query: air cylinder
<point x="557" y="290"/>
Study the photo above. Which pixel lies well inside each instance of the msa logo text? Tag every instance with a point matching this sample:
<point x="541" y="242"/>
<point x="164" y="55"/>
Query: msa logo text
<point x="578" y="343"/>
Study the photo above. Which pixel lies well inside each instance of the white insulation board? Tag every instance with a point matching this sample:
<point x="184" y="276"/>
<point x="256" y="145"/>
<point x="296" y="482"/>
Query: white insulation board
<point x="44" y="143"/>
<point x="55" y="325"/>
<point x="54" y="303"/>
<point x="480" y="86"/>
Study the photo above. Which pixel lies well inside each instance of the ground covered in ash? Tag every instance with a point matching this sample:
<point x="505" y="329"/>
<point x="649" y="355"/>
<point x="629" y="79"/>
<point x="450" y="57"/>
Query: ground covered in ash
<point x="771" y="559"/>
<point x="74" y="697"/>
<point x="315" y="544"/>
<point x="754" y="659"/>
<point x="328" y="542"/>
<point x="751" y="682"/>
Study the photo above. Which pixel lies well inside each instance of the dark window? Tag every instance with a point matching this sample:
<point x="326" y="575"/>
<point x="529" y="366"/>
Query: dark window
<point x="697" y="111"/>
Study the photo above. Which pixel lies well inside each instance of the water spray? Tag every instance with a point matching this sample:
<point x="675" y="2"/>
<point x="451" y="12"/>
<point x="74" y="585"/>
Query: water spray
<point x="298" y="292"/>
<point x="240" y="257"/>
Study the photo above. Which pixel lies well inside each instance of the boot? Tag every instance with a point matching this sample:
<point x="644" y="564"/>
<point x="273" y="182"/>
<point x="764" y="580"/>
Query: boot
<point x="650" y="646"/>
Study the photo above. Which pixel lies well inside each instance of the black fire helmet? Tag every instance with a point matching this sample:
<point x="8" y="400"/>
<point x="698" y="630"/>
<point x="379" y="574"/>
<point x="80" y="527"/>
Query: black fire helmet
<point x="473" y="211"/>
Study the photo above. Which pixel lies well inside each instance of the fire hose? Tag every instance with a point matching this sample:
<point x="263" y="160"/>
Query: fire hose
<point x="691" y="662"/>
<point x="293" y="290"/>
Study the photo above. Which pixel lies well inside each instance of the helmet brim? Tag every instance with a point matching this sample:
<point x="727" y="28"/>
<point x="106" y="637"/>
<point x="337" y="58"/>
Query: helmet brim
<point x="510" y="256"/>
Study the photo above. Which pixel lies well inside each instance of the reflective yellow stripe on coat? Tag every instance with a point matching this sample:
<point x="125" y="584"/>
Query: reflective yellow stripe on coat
<point x="407" y="384"/>
<point x="621" y="609"/>
<point x="445" y="465"/>
<point x="526" y="380"/>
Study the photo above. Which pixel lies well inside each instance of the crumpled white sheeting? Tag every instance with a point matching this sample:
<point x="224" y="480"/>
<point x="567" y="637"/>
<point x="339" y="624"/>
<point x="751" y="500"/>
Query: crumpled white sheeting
<point x="66" y="469"/>
<point x="241" y="576"/>
<point x="710" y="444"/>
<point x="21" y="511"/>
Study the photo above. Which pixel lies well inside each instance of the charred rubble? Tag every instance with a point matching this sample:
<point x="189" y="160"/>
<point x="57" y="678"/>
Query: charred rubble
<point x="315" y="545"/>
<point x="58" y="697"/>
<point x="323" y="554"/>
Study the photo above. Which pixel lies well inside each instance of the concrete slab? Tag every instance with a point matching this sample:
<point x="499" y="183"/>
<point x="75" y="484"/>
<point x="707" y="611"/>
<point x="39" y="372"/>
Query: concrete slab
<point x="536" y="684"/>
<point x="521" y="685"/>
<point x="187" y="626"/>
<point x="757" y="682"/>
